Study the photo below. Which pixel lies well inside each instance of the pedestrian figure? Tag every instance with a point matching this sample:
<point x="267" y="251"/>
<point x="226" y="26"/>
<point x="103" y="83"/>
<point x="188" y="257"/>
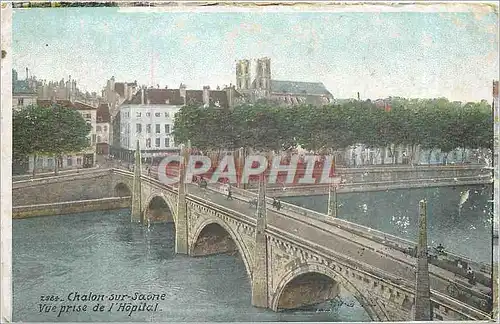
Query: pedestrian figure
<point x="278" y="205"/>
<point x="470" y="276"/>
<point x="203" y="183"/>
<point x="275" y="203"/>
<point x="229" y="192"/>
<point x="149" y="171"/>
<point x="440" y="249"/>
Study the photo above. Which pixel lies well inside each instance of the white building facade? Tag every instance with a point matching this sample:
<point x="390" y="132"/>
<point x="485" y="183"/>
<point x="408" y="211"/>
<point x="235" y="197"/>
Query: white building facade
<point x="150" y="121"/>
<point x="103" y="129"/>
<point x="152" y="125"/>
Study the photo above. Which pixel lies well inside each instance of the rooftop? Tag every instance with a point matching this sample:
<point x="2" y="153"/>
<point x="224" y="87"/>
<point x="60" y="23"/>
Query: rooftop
<point x="299" y="87"/>
<point x="173" y="97"/>
<point x="65" y="103"/>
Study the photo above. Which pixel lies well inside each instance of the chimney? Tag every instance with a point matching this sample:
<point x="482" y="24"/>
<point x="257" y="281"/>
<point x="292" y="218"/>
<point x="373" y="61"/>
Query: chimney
<point x="142" y="96"/>
<point x="182" y="91"/>
<point x="206" y="95"/>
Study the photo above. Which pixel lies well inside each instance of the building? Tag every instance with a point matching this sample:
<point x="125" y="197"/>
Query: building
<point x="103" y="126"/>
<point x="262" y="86"/>
<point x="115" y="93"/>
<point x="27" y="91"/>
<point x="84" y="159"/>
<point x="149" y="117"/>
<point x="23" y="94"/>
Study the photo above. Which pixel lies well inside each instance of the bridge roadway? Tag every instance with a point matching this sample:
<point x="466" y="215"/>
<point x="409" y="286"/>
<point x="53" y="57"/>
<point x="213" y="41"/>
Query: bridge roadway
<point x="392" y="264"/>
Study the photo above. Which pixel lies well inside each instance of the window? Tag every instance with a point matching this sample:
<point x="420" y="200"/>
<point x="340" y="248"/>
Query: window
<point x="20" y="101"/>
<point x="166" y="114"/>
<point x="99" y="139"/>
<point x="148" y="114"/>
<point x="128" y="114"/>
<point x="88" y="116"/>
<point x="157" y="142"/>
<point x="105" y="128"/>
<point x="158" y="127"/>
<point x="157" y="114"/>
<point x="148" y="142"/>
<point x="167" y="142"/>
<point x="148" y="128"/>
<point x="69" y="162"/>
<point x="98" y="128"/>
<point x="167" y="129"/>
<point x="138" y="114"/>
<point x="93" y="139"/>
<point x="79" y="161"/>
<point x="138" y="128"/>
<point x="50" y="163"/>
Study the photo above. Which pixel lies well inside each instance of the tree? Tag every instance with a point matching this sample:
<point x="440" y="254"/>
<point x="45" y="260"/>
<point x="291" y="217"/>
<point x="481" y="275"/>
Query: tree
<point x="268" y="126"/>
<point x="49" y="131"/>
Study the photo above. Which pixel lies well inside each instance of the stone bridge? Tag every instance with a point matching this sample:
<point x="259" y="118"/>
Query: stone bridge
<point x="292" y="259"/>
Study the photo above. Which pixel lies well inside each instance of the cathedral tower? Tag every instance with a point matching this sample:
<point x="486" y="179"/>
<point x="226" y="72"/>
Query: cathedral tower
<point x="243" y="75"/>
<point x="263" y="76"/>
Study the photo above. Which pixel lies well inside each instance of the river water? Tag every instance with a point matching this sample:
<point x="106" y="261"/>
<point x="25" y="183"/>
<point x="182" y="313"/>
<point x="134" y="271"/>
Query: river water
<point x="103" y="253"/>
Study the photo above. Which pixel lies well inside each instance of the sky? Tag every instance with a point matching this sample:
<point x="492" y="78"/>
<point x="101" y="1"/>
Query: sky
<point x="378" y="54"/>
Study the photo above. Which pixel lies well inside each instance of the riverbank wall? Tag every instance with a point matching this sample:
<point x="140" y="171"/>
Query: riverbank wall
<point x="70" y="207"/>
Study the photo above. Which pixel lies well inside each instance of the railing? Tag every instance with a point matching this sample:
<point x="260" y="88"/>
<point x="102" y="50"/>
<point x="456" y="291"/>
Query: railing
<point x="21" y="177"/>
<point x="66" y="174"/>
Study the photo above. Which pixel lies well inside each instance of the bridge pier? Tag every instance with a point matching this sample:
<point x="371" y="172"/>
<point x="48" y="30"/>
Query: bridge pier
<point x="181" y="223"/>
<point x="260" y="270"/>
<point x="137" y="216"/>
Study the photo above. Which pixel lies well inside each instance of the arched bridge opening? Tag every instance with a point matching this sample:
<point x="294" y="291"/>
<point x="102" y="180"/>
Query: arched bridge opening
<point x="308" y="289"/>
<point x="158" y="211"/>
<point x="122" y="190"/>
<point x="213" y="239"/>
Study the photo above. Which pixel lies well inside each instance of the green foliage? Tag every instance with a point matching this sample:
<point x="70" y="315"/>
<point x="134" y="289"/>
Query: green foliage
<point x="48" y="131"/>
<point x="428" y="123"/>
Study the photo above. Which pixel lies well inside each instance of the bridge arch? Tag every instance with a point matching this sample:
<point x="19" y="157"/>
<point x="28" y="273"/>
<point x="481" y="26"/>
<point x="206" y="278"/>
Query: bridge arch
<point x="158" y="208"/>
<point x="321" y="272"/>
<point x="222" y="233"/>
<point x="122" y="190"/>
